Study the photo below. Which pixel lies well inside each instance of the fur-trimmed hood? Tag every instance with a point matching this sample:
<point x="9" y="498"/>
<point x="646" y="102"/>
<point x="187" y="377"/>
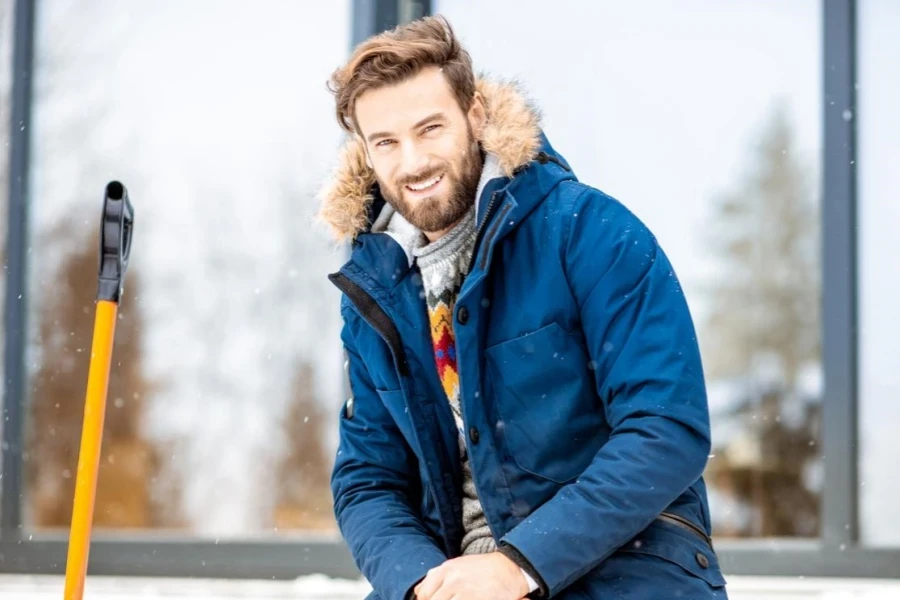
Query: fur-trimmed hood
<point x="512" y="133"/>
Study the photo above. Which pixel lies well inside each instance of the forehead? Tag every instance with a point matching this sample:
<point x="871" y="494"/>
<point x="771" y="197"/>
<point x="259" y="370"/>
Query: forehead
<point x="398" y="107"/>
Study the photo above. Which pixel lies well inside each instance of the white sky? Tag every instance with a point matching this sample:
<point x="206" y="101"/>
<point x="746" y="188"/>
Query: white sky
<point x="209" y="109"/>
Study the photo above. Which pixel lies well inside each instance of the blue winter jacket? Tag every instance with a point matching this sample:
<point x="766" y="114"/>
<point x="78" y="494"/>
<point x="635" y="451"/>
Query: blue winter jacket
<point x="581" y="387"/>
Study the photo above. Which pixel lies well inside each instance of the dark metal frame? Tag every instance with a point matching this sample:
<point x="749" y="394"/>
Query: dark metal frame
<point x="839" y="201"/>
<point x="16" y="298"/>
<point x="836" y="552"/>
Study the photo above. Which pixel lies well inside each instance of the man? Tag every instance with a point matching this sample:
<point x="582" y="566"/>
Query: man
<point x="529" y="416"/>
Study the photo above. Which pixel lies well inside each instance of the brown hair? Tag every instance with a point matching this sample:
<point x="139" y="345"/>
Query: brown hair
<point x="396" y="55"/>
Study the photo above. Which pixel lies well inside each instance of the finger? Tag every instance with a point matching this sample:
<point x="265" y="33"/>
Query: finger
<point x="447" y="591"/>
<point x="428" y="586"/>
<point x="417" y="590"/>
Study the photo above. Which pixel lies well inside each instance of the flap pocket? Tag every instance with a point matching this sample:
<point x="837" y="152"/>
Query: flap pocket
<point x="545" y="402"/>
<point x="680" y="548"/>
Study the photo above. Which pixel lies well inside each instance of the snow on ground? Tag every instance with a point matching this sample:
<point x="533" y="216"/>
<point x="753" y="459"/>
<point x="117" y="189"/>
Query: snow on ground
<point x="313" y="587"/>
<point x="319" y="587"/>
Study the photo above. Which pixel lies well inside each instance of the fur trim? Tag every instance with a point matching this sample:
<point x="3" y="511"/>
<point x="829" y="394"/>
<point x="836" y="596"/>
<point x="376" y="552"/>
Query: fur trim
<point x="512" y="132"/>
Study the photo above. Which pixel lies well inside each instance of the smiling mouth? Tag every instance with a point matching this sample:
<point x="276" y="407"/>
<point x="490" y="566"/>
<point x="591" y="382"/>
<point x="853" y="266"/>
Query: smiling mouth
<point x="424" y="186"/>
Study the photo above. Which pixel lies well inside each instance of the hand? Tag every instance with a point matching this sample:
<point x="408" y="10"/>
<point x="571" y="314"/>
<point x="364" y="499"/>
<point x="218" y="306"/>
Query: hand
<point x="490" y="576"/>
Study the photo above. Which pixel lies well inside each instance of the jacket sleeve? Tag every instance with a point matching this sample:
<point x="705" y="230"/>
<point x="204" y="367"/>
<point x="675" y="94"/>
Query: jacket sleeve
<point x="649" y="377"/>
<point x="373" y="476"/>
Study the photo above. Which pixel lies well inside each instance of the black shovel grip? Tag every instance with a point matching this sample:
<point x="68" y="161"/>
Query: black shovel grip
<point x="115" y="241"/>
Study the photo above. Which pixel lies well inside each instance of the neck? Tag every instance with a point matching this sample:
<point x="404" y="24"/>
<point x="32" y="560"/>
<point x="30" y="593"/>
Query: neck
<point x="450" y="244"/>
<point x="434" y="236"/>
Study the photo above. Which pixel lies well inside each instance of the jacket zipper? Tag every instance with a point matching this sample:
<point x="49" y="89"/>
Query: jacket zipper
<point x="481" y="226"/>
<point x="680" y="521"/>
<point x="543" y="158"/>
<point x="375" y="316"/>
<point x="492" y="234"/>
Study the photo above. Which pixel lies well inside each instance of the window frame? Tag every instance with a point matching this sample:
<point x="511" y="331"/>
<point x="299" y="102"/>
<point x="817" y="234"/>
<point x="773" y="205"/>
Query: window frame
<point x="837" y="552"/>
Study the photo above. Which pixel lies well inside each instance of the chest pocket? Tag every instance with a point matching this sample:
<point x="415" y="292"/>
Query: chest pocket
<point x="544" y="394"/>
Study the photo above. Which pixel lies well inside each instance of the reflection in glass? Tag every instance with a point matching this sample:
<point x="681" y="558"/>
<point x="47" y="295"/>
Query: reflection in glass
<point x="878" y="96"/>
<point x="6" y="35"/>
<point x="713" y="140"/>
<point x="762" y="342"/>
<point x="226" y="381"/>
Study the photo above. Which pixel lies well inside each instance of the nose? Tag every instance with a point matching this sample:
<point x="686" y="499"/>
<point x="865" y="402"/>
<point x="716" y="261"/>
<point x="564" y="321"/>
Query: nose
<point x="413" y="159"/>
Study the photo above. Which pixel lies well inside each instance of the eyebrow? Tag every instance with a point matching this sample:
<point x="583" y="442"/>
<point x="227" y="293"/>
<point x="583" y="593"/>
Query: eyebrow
<point x="431" y="117"/>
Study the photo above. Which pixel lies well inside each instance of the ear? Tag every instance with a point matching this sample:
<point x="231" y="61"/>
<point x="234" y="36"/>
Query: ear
<point x="477" y="115"/>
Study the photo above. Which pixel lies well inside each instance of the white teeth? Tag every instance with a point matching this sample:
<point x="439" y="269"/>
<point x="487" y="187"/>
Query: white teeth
<point x="425" y="184"/>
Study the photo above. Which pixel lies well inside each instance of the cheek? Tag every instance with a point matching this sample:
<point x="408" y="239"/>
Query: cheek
<point x="385" y="170"/>
<point x="446" y="150"/>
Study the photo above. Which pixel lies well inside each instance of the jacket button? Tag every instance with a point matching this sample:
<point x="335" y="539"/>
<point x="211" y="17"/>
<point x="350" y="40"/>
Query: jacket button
<point x="702" y="560"/>
<point x="462" y="315"/>
<point x="474" y="435"/>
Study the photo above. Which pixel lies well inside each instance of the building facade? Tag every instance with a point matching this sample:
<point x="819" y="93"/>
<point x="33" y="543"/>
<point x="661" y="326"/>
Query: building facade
<point x="758" y="141"/>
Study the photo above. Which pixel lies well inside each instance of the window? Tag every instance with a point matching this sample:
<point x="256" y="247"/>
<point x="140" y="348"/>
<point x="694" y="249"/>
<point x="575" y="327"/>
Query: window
<point x="6" y="29"/>
<point x="706" y="120"/>
<point x="878" y="91"/>
<point x="712" y="137"/>
<point x="6" y="35"/>
<point x="227" y="368"/>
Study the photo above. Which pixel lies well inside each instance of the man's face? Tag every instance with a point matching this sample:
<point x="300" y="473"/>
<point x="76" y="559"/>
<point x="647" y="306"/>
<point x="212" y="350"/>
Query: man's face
<point x="423" y="149"/>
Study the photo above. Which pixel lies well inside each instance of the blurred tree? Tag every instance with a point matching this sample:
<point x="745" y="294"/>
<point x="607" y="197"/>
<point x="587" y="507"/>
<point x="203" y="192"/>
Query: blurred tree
<point x="129" y="462"/>
<point x="303" y="493"/>
<point x="762" y="336"/>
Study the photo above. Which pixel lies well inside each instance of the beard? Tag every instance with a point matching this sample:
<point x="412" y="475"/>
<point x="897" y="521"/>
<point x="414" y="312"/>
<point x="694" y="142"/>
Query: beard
<point x="440" y="211"/>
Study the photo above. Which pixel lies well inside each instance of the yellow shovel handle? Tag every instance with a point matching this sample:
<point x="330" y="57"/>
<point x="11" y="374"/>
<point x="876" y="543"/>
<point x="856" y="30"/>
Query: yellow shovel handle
<point x="115" y="248"/>
<point x="89" y="455"/>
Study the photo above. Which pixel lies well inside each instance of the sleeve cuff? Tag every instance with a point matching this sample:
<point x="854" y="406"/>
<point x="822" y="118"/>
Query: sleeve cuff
<point x="538" y="589"/>
<point x="532" y="584"/>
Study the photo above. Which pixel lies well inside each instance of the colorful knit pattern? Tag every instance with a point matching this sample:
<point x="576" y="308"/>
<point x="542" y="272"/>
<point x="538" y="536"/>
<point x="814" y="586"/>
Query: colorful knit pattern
<point x="443" y="265"/>
<point x="440" y="313"/>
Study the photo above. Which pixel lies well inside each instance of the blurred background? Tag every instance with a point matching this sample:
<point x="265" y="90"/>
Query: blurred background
<point x="732" y="128"/>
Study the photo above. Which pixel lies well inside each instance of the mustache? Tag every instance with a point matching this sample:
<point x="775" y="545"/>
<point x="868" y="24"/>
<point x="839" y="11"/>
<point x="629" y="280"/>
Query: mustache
<point x="420" y="177"/>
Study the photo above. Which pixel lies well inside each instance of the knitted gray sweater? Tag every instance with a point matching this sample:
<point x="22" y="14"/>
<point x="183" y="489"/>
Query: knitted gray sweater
<point x="444" y="265"/>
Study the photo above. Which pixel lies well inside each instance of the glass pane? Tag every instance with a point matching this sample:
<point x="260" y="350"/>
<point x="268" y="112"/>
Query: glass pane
<point x="6" y="34"/>
<point x="879" y="295"/>
<point x="6" y="42"/>
<point x="713" y="139"/>
<point x="227" y="370"/>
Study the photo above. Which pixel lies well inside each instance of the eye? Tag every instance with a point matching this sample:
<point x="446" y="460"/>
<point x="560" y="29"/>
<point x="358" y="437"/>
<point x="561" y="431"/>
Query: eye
<point x="432" y="127"/>
<point x="384" y="143"/>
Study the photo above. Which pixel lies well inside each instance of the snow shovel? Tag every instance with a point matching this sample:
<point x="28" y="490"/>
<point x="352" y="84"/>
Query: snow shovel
<point x="116" y="228"/>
